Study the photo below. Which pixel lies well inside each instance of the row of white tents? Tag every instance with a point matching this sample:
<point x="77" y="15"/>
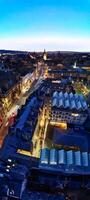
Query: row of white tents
<point x="66" y="95"/>
<point x="72" y="101"/>
<point x="62" y="157"/>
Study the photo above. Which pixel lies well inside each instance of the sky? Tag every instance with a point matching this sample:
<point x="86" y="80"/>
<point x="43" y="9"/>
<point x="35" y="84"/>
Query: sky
<point x="35" y="25"/>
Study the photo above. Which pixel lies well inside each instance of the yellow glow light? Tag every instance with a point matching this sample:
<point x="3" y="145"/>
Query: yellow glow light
<point x="23" y="152"/>
<point x="62" y="125"/>
<point x="75" y="114"/>
<point x="42" y="123"/>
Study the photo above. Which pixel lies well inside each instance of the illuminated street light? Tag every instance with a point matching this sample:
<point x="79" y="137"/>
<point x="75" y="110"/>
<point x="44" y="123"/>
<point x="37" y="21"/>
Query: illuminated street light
<point x="9" y="160"/>
<point x="7" y="170"/>
<point x="8" y="166"/>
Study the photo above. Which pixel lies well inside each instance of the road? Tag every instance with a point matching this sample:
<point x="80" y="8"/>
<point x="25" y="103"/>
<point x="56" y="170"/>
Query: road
<point x="40" y="133"/>
<point x="17" y="105"/>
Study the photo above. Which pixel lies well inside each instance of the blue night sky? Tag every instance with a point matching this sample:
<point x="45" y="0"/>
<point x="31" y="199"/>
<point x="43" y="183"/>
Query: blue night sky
<point x="51" y="24"/>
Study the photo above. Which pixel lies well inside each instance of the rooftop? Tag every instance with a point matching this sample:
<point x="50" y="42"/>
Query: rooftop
<point x="7" y="80"/>
<point x="70" y="162"/>
<point x="69" y="101"/>
<point x="69" y="138"/>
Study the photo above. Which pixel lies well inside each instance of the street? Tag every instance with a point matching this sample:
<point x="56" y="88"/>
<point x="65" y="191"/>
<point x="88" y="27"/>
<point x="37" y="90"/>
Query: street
<point x="40" y="133"/>
<point x="17" y="105"/>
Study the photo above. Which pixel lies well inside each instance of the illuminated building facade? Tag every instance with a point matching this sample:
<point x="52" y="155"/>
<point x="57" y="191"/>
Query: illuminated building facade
<point x="68" y="107"/>
<point x="13" y="93"/>
<point x="65" y="73"/>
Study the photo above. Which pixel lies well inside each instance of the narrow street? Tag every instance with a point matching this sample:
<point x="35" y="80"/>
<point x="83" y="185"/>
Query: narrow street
<point x="17" y="105"/>
<point x="40" y="133"/>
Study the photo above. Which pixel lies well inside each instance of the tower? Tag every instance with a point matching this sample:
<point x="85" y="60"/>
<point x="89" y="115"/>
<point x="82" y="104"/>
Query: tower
<point x="44" y="55"/>
<point x="75" y="65"/>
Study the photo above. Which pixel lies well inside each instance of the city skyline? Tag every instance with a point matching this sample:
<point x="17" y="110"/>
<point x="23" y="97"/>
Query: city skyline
<point x="53" y="25"/>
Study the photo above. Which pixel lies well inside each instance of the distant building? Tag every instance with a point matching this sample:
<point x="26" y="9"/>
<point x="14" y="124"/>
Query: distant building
<point x="45" y="55"/>
<point x="2" y="67"/>
<point x="68" y="107"/>
<point x="75" y="65"/>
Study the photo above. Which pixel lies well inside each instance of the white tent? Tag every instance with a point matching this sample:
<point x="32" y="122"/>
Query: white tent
<point x="84" y="104"/>
<point x="55" y="102"/>
<point x="85" y="159"/>
<point x="71" y="95"/>
<point x="53" y="157"/>
<point x="73" y="104"/>
<point x="77" y="158"/>
<point x="61" y="95"/>
<point x="76" y="96"/>
<point x="79" y="105"/>
<point x="44" y="159"/>
<point x="67" y="104"/>
<point x="66" y="95"/>
<point x="61" y="157"/>
<point x="61" y="103"/>
<point x="55" y="94"/>
<point x="70" y="158"/>
<point x="81" y="97"/>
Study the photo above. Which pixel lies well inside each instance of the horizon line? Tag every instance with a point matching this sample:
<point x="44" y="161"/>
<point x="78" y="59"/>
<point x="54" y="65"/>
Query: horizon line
<point x="47" y="50"/>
